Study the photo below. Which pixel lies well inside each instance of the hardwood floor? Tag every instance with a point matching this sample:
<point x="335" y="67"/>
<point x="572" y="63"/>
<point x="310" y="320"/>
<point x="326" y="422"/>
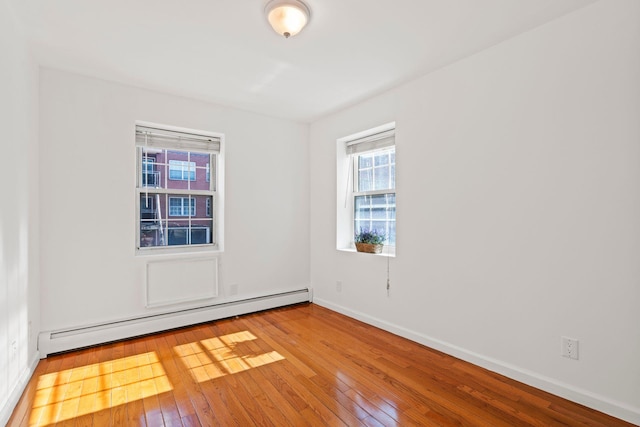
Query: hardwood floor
<point x="294" y="366"/>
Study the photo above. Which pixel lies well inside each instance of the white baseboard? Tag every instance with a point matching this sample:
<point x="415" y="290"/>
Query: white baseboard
<point x="50" y="342"/>
<point x="592" y="400"/>
<point x="7" y="408"/>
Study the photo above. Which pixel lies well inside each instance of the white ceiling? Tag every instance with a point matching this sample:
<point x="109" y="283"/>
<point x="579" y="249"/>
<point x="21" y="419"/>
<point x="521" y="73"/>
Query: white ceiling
<point x="223" y="51"/>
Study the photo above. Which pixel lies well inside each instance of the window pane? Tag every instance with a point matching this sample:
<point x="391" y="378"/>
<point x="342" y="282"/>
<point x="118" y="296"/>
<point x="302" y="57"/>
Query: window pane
<point x="199" y="236"/>
<point x="381" y="159"/>
<point x="202" y="207"/>
<point x="376" y="213"/>
<point x="150" y="235"/>
<point x="379" y="213"/>
<point x="365" y="161"/>
<point x="365" y="180"/>
<point x="376" y="171"/>
<point x="151" y="167"/>
<point x="201" y="232"/>
<point x="178" y="236"/>
<point x="381" y="178"/>
<point x="150" y="220"/>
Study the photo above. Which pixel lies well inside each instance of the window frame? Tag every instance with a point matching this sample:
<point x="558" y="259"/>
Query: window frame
<point x="348" y="150"/>
<point x="214" y="192"/>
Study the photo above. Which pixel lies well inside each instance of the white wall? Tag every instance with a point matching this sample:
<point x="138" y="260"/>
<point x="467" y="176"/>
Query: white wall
<point x="19" y="301"/>
<point x="518" y="208"/>
<point x="90" y="273"/>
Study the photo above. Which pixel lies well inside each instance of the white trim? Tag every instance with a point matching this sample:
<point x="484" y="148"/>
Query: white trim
<point x="592" y="400"/>
<point x="14" y="397"/>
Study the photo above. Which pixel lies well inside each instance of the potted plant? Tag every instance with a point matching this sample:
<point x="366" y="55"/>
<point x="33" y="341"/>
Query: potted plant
<point x="370" y="241"/>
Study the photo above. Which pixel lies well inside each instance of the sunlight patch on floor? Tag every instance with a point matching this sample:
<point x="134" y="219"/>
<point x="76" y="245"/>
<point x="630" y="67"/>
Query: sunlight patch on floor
<point x="91" y="388"/>
<point x="219" y="356"/>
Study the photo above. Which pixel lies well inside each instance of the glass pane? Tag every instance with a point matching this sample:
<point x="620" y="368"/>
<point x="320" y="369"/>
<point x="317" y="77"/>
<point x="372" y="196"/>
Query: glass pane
<point x="381" y="159"/>
<point x="379" y="213"/>
<point x="376" y="171"/>
<point x="150" y="220"/>
<point x="199" y="236"/>
<point x="201" y="206"/>
<point x="150" y="235"/>
<point x="392" y="232"/>
<point x="381" y="178"/>
<point x="365" y="161"/>
<point x="365" y="180"/>
<point x="151" y="167"/>
<point x="376" y="213"/>
<point x="362" y="225"/>
<point x="188" y="170"/>
<point x="201" y="232"/>
<point x="178" y="236"/>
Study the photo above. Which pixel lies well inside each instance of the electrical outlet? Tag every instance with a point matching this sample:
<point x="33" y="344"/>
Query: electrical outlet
<point x="570" y="348"/>
<point x="338" y="286"/>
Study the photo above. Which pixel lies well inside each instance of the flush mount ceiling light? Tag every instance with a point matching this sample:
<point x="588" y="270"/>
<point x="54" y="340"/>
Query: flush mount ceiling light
<point x="287" y="17"/>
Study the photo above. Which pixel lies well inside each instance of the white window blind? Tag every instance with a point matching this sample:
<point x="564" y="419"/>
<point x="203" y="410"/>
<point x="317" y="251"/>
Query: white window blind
<point x="373" y="142"/>
<point x="161" y="138"/>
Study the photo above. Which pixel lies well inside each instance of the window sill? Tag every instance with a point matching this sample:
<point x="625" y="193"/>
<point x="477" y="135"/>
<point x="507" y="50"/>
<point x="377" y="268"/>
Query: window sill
<point x="386" y="252"/>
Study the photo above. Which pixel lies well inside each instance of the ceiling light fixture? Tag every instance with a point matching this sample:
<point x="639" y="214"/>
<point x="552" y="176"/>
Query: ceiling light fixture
<point x="287" y="17"/>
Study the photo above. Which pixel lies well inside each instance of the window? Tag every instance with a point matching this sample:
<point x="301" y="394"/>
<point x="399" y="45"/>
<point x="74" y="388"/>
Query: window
<point x="182" y="206"/>
<point x="367" y="186"/>
<point x="182" y="171"/>
<point x="374" y="192"/>
<point x="179" y="200"/>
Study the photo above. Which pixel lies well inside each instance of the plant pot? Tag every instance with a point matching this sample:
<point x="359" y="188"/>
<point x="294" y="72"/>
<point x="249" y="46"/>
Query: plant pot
<point x="369" y="248"/>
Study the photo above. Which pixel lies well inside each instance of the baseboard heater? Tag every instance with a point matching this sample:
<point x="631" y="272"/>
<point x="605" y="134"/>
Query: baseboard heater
<point x="50" y="342"/>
